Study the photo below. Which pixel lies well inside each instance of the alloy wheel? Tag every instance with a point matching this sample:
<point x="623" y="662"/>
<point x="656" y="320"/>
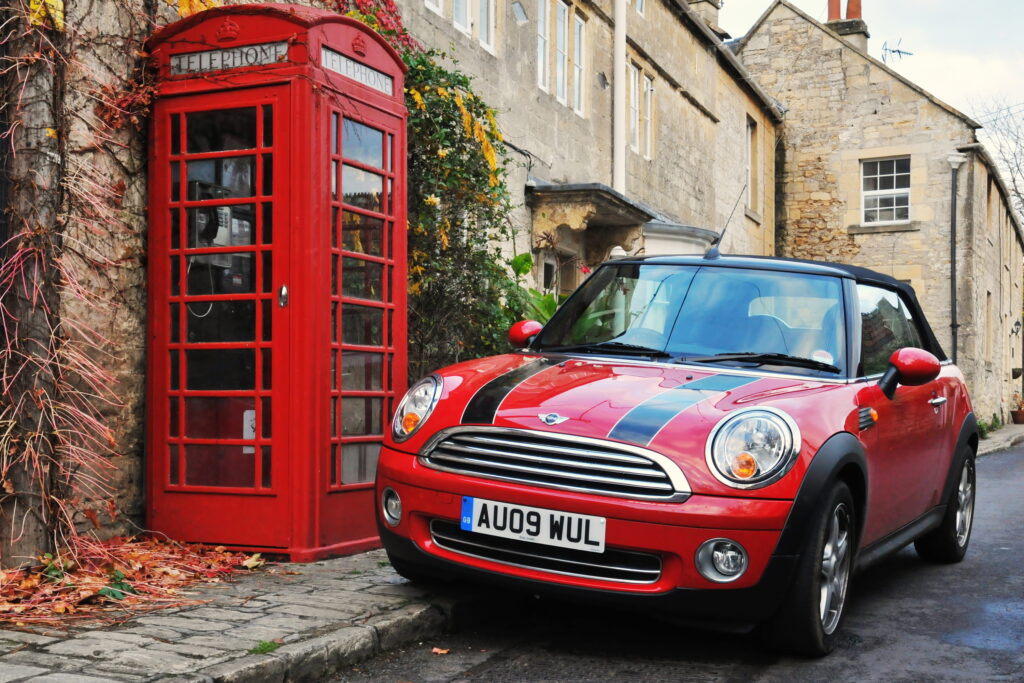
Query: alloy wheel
<point x="835" y="568"/>
<point x="965" y="504"/>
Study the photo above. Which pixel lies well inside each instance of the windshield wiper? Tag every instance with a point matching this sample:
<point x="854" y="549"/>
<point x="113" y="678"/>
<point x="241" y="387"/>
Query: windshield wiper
<point x="613" y="347"/>
<point x="766" y="358"/>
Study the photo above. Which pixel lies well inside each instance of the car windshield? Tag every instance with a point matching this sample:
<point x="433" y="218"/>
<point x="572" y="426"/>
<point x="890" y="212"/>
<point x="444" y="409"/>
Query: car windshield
<point x="706" y="314"/>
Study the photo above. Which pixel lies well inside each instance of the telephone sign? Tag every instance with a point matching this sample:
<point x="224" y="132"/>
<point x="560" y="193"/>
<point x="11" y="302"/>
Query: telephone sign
<point x="277" y="306"/>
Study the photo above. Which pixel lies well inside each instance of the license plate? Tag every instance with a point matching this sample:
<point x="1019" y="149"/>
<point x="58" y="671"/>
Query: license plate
<point x="537" y="525"/>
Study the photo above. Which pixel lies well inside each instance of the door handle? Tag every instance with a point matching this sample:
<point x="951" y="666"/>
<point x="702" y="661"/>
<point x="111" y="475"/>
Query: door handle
<point x="938" y="401"/>
<point x="282" y="298"/>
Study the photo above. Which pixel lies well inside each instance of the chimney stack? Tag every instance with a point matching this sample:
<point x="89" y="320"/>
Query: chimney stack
<point x="708" y="10"/>
<point x="833" y="11"/>
<point x="852" y="28"/>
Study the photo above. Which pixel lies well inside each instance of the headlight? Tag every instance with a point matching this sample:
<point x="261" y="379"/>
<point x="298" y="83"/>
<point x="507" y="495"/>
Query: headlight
<point x="752" y="448"/>
<point x="415" y="407"/>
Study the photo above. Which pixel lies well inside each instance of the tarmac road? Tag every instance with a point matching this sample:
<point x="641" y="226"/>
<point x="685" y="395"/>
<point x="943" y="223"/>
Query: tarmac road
<point x="907" y="621"/>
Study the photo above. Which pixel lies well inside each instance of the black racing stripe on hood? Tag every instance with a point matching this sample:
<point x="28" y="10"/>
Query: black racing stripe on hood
<point x="484" y="405"/>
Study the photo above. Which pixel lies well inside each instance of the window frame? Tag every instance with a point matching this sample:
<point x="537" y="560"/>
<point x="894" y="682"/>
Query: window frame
<point x="752" y="162"/>
<point x="563" y="11"/>
<point x="647" y="116"/>
<point x="488" y="26"/>
<point x="467" y="5"/>
<point x="634" y="107"/>
<point x="435" y="6"/>
<point x="878" y="193"/>
<point x="543" y="41"/>
<point x="578" y="67"/>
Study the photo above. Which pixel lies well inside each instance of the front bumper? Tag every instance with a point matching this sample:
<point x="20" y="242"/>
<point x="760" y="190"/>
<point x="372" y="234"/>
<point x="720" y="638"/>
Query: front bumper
<point x="671" y="531"/>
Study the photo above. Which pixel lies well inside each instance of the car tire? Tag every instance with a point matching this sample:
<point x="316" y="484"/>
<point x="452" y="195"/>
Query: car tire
<point x="948" y="543"/>
<point x="812" y="613"/>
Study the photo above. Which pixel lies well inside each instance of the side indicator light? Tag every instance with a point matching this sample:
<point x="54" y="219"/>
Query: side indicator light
<point x="867" y="417"/>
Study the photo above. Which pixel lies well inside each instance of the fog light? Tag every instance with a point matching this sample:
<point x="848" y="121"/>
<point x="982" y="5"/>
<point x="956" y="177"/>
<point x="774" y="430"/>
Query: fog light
<point x="721" y="560"/>
<point x="391" y="506"/>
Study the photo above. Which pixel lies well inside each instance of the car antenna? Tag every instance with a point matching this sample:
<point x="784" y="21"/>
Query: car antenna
<point x="712" y="253"/>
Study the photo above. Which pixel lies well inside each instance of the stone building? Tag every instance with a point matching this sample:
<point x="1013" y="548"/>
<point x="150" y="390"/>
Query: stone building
<point x="865" y="176"/>
<point x="697" y="151"/>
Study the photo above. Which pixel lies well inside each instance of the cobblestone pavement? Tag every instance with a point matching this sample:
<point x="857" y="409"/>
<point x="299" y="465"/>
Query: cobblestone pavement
<point x="326" y="615"/>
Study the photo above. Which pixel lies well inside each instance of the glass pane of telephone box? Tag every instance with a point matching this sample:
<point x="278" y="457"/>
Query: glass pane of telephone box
<point x="362" y="189"/>
<point x="359" y="462"/>
<point x="223" y="273"/>
<point x="361" y="371"/>
<point x="361" y="278"/>
<point x="361" y="233"/>
<point x="214" y="369"/>
<point x="220" y="417"/>
<point x="221" y="226"/>
<point x="220" y="465"/>
<point x="361" y="325"/>
<point x="221" y="130"/>
<point x="362" y="143"/>
<point x="221" y="178"/>
<point x="361" y="416"/>
<point x="221" y="321"/>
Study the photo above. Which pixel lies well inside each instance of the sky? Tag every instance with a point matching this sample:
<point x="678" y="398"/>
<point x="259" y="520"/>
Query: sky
<point x="968" y="53"/>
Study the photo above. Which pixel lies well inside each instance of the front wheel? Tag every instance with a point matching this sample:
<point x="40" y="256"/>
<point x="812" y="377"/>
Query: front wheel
<point x="948" y="543"/>
<point x="809" y="619"/>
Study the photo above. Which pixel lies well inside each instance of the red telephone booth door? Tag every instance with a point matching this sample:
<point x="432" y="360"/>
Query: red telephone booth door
<point x="220" y="318"/>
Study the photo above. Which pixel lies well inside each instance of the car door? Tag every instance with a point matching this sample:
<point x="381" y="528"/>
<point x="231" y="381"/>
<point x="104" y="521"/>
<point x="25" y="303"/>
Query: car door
<point x="906" y="443"/>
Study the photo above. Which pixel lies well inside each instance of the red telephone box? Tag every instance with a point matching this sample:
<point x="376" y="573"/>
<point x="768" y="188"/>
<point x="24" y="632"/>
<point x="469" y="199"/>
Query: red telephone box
<point x="277" y="307"/>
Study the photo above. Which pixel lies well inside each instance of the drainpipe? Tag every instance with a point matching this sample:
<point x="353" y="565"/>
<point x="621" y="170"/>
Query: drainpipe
<point x="619" y="99"/>
<point x="954" y="162"/>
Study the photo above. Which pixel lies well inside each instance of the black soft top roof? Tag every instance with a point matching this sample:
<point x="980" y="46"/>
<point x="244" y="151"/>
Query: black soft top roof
<point x="858" y="273"/>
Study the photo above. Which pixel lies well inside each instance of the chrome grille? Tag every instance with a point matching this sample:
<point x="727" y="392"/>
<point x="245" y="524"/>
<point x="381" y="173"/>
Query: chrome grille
<point x="557" y="461"/>
<point x="614" y="564"/>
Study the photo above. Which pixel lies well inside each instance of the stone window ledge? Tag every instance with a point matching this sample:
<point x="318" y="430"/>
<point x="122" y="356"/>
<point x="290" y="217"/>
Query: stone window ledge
<point x="870" y="229"/>
<point x="754" y="215"/>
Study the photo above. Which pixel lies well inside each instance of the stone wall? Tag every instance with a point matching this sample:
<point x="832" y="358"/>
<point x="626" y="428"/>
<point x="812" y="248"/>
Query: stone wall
<point x="76" y="212"/>
<point x="843" y="107"/>
<point x="697" y="167"/>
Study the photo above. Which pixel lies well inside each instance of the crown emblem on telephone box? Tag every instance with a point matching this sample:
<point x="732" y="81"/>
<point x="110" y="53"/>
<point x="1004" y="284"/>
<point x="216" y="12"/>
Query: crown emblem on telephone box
<point x="359" y="45"/>
<point x="228" y="31"/>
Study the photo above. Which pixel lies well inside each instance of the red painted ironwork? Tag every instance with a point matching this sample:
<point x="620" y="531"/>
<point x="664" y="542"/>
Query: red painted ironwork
<point x="277" y="300"/>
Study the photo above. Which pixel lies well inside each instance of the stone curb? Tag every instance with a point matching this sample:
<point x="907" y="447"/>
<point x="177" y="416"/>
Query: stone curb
<point x="1002" y="439"/>
<point x="316" y="658"/>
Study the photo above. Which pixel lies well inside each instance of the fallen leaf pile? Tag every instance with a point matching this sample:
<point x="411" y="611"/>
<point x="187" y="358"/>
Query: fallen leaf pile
<point x="111" y="581"/>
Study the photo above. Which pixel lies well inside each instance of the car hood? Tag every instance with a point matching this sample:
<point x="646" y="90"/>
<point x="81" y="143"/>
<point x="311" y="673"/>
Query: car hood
<point x="667" y="408"/>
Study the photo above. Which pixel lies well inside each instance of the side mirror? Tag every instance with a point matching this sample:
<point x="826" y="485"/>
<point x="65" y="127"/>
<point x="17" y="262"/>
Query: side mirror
<point x="522" y="333"/>
<point x="911" y="367"/>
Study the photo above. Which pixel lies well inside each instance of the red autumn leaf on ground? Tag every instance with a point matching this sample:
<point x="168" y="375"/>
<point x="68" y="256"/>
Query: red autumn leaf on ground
<point x="109" y="581"/>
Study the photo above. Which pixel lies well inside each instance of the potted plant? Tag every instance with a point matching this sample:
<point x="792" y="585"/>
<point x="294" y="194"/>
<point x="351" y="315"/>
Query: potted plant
<point x="1017" y="408"/>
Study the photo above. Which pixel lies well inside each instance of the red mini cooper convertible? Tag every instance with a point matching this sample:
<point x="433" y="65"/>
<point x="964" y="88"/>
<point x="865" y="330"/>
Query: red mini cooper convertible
<point x="726" y="440"/>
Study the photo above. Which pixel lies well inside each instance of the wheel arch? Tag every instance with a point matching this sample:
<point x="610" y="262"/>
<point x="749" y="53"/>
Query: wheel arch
<point x="968" y="438"/>
<point x="840" y="458"/>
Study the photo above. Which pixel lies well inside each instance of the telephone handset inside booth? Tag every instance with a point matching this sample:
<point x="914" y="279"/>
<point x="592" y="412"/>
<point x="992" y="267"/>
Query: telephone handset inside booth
<point x="221" y="226"/>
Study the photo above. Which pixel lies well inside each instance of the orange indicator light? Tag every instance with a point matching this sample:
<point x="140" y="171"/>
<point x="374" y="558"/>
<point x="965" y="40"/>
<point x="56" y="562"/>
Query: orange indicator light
<point x="743" y="466"/>
<point x="409" y="422"/>
<point x="874" y="415"/>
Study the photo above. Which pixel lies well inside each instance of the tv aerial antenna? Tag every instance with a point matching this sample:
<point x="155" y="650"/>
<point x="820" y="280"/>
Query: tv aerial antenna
<point x="895" y="52"/>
